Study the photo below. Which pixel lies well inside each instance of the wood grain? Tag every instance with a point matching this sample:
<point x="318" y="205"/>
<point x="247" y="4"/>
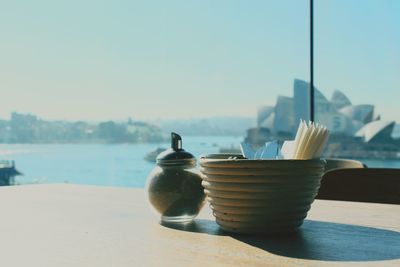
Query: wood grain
<point x="71" y="225"/>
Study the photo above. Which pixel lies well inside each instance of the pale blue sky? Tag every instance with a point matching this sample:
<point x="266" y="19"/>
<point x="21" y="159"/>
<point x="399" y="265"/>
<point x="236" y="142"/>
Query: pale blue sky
<point x="97" y="60"/>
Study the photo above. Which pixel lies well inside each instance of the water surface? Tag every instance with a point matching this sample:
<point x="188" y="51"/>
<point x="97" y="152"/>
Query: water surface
<point x="108" y="165"/>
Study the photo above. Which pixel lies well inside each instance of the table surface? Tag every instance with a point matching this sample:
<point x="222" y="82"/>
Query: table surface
<point x="75" y="225"/>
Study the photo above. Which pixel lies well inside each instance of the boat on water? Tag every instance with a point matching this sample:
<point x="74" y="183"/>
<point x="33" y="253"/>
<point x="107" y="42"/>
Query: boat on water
<point x="8" y="173"/>
<point x="230" y="150"/>
<point x="152" y="155"/>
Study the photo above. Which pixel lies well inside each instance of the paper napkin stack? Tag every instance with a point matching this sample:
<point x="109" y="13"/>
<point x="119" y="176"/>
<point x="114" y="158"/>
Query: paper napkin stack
<point x="309" y="143"/>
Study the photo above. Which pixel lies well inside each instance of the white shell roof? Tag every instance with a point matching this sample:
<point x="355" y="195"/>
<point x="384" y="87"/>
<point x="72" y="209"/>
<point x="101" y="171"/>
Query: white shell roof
<point x="339" y="99"/>
<point x="357" y="112"/>
<point x="373" y="128"/>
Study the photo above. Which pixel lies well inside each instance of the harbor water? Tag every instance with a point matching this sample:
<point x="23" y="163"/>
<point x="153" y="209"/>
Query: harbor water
<point x="120" y="165"/>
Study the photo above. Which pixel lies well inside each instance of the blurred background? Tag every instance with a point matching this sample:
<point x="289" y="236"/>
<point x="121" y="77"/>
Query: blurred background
<point x="90" y="90"/>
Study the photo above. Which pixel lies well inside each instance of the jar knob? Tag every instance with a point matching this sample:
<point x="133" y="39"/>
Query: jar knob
<point x="175" y="155"/>
<point x="176" y="141"/>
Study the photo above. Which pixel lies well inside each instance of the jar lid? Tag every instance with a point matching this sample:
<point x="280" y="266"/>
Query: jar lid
<point x="176" y="155"/>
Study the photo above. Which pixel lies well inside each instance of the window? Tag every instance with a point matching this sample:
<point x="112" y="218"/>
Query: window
<point x="357" y="60"/>
<point x="90" y="89"/>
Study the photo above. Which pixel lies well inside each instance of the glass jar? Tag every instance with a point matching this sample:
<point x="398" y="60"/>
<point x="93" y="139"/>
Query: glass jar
<point x="174" y="186"/>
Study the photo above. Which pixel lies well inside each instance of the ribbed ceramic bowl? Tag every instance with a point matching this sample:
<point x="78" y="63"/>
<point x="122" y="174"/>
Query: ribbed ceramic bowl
<point x="260" y="196"/>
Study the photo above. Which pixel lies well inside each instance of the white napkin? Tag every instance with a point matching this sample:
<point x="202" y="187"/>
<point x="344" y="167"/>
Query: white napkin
<point x="269" y="151"/>
<point x="309" y="142"/>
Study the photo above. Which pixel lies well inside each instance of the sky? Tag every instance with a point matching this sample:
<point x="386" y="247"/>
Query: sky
<point x="101" y="60"/>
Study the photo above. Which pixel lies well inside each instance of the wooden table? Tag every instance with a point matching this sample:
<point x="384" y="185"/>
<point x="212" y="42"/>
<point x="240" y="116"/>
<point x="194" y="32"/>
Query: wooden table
<point x="72" y="225"/>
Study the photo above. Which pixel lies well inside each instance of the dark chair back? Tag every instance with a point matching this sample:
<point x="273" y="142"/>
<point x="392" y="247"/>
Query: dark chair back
<point x="362" y="185"/>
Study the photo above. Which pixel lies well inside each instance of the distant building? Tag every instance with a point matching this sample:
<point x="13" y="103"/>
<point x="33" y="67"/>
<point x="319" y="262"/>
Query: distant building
<point x="362" y="113"/>
<point x="284" y="115"/>
<point x="338" y="114"/>
<point x="339" y="100"/>
<point x="301" y="93"/>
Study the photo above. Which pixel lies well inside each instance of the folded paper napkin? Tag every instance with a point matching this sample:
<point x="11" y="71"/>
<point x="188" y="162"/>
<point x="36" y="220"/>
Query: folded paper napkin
<point x="309" y="143"/>
<point x="269" y="151"/>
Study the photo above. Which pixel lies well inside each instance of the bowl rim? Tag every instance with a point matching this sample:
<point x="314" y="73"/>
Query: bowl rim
<point x="223" y="159"/>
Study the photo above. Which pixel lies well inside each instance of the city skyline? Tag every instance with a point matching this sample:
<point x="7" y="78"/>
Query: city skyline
<point x="183" y="59"/>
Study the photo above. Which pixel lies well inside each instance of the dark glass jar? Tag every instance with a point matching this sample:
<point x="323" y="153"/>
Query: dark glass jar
<point x="174" y="186"/>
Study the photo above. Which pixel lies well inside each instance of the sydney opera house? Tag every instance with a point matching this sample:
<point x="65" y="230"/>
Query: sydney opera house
<point x="358" y="130"/>
<point x="338" y="114"/>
